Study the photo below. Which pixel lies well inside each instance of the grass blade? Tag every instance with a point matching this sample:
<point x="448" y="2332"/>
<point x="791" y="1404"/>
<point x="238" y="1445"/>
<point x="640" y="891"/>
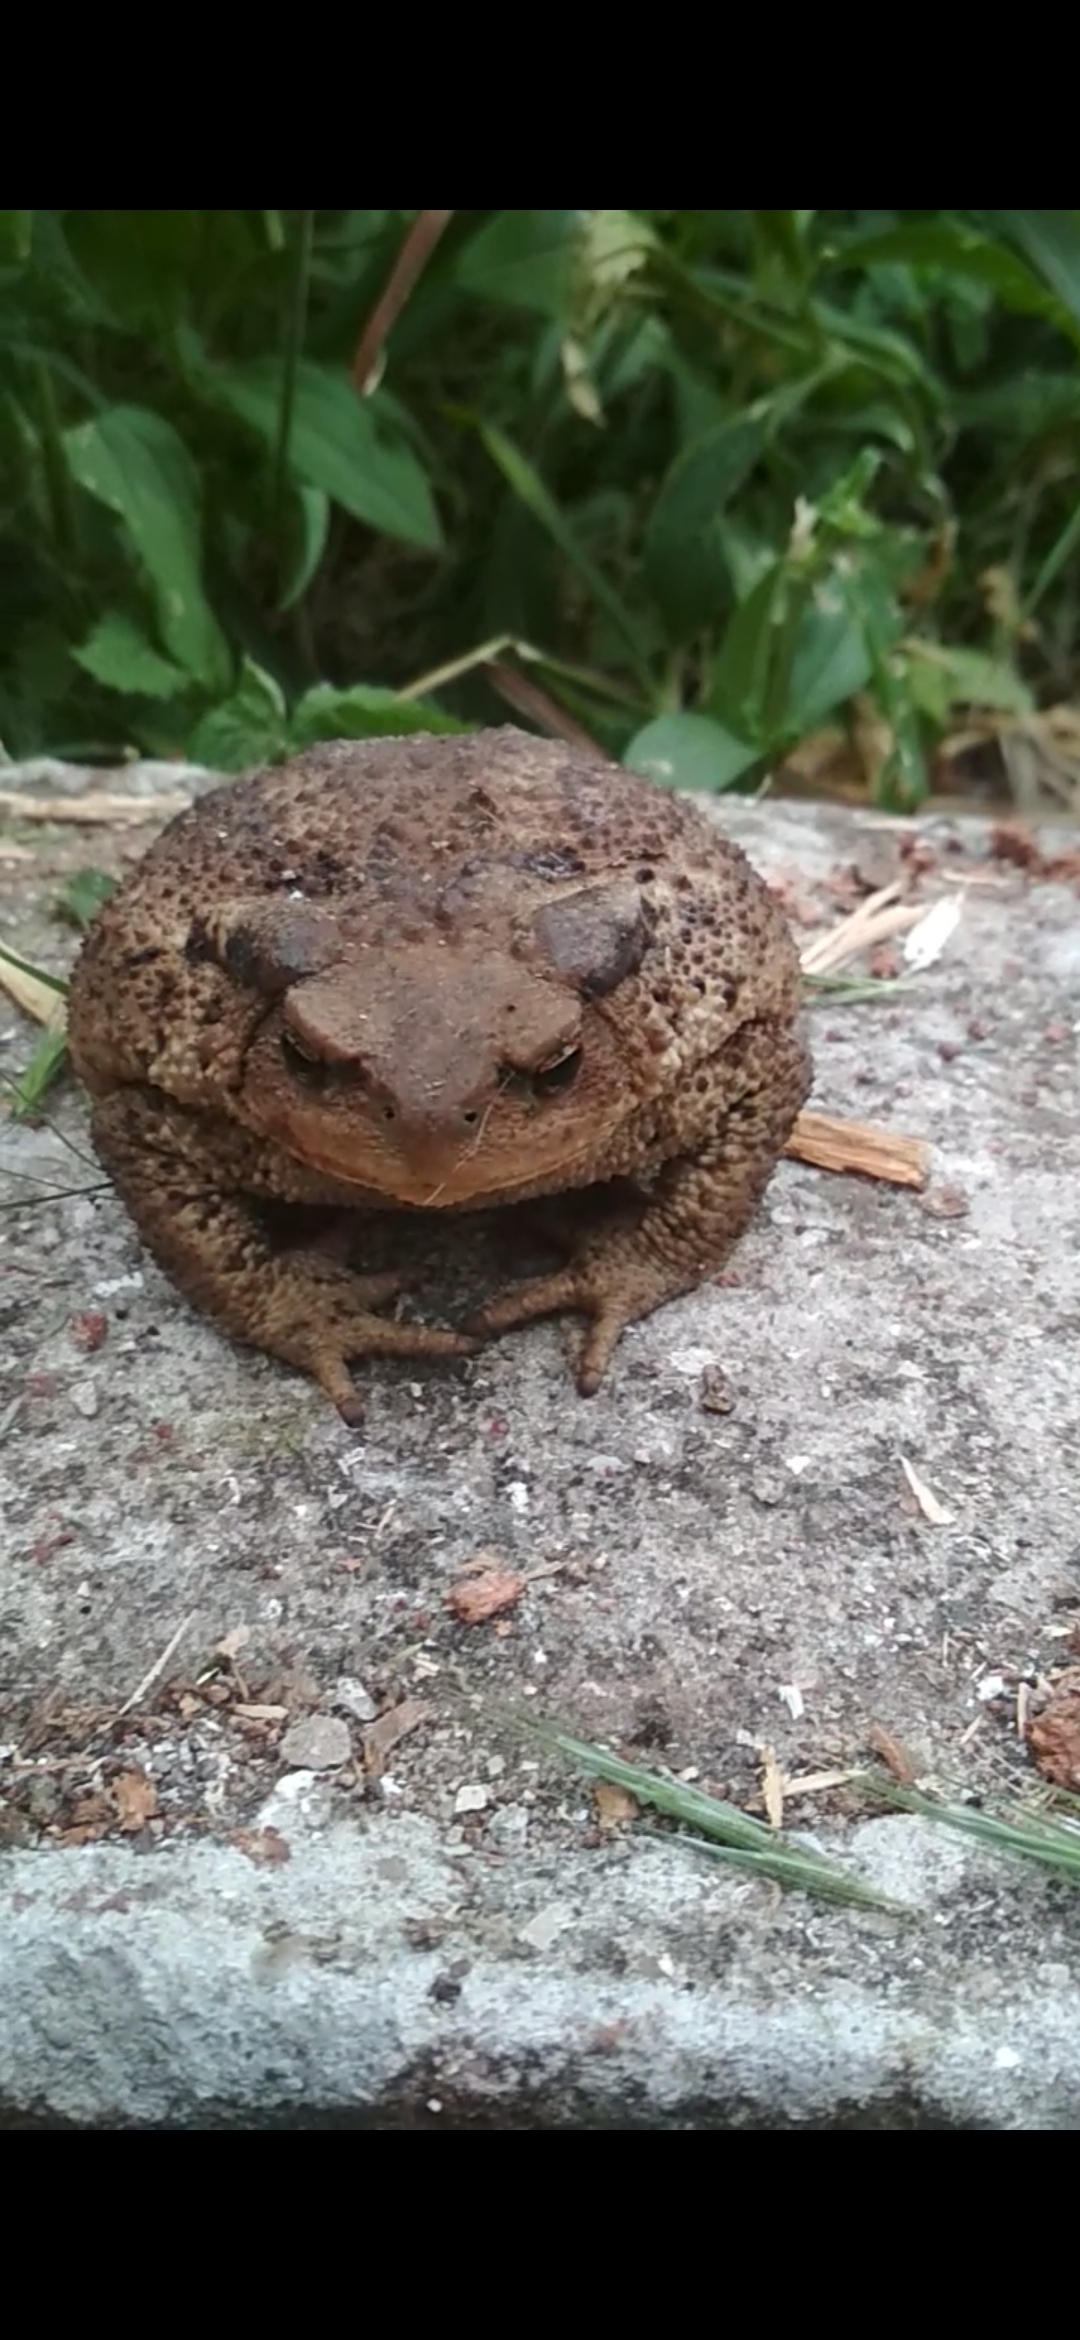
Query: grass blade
<point x="39" y="1074"/>
<point x="528" y="485"/>
<point x="728" y="1832"/>
<point x="1054" y="1843"/>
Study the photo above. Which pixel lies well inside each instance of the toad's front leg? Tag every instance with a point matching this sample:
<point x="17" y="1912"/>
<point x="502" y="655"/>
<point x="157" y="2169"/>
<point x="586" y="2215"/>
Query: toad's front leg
<point x="189" y="1190"/>
<point x="701" y="1203"/>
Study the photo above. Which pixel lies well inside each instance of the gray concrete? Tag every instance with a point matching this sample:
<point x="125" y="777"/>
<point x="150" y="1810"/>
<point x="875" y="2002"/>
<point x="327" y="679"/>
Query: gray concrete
<point x="455" y="1932"/>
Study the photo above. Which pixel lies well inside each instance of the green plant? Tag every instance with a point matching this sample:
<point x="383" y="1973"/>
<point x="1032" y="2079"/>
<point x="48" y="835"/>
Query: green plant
<point x="718" y="472"/>
<point x="723" y="1832"/>
<point x="1046" y="1831"/>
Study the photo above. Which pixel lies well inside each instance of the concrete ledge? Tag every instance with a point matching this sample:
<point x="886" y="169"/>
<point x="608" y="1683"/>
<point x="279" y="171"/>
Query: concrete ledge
<point x="374" y="1980"/>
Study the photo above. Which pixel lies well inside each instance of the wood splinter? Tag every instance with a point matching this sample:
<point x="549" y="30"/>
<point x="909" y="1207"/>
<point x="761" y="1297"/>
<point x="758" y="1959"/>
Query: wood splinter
<point x="829" y="1143"/>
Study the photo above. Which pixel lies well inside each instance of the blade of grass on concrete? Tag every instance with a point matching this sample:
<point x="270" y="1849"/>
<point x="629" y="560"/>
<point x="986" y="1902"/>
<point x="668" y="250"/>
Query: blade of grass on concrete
<point x="853" y="988"/>
<point x="41" y="995"/>
<point x="791" y="1866"/>
<point x="38" y="977"/>
<point x="39" y="1074"/>
<point x="1054" y="1843"/>
<point x="747" y="1843"/>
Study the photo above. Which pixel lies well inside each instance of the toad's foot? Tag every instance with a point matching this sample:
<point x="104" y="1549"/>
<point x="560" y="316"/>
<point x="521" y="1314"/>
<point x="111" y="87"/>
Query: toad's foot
<point x="181" y="1182"/>
<point x="318" y="1315"/>
<point x="698" y="1208"/>
<point x="609" y="1282"/>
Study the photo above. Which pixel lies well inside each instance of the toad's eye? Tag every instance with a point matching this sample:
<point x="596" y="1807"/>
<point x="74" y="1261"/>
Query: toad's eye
<point x="560" y="1073"/>
<point x="311" y="1070"/>
<point x="543" y="1080"/>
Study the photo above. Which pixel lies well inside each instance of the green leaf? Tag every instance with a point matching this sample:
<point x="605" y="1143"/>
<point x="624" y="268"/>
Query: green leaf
<point x="689" y="751"/>
<point x="363" y="711"/>
<point x="1050" y="240"/>
<point x="877" y="348"/>
<point x="1061" y="550"/>
<point x="338" y="442"/>
<point x="247" y="729"/>
<point x="525" y="258"/>
<point x="528" y="485"/>
<point x="903" y="779"/>
<point x="1026" y="404"/>
<point x="830" y="660"/>
<point x="842" y="505"/>
<point x="118" y="654"/>
<point x="142" y="260"/>
<point x="71" y="298"/>
<point x="136" y="464"/>
<point x="16" y="237"/>
<point x="684" y="558"/>
<point x="83" y="895"/>
<point x="307" y="521"/>
<point x="784" y="255"/>
<point x="953" y="247"/>
<point x="942" y="677"/>
<point x="739" y="691"/>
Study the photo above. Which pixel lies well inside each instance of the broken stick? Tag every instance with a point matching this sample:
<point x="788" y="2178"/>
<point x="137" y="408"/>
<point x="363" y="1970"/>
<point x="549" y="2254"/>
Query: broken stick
<point x="828" y="1143"/>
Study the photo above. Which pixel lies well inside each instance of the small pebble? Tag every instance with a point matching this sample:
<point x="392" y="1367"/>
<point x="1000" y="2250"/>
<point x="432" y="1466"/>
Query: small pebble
<point x="354" y="1698"/>
<point x="508" y="1828"/>
<point x="319" y="1743"/>
<point x="545" y="1928"/>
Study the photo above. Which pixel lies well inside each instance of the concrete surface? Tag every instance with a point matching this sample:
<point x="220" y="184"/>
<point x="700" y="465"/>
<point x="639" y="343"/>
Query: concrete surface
<point x="230" y="1902"/>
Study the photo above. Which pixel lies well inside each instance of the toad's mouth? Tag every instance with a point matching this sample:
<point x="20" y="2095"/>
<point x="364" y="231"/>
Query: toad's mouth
<point x="446" y="1176"/>
<point x="402" y="1163"/>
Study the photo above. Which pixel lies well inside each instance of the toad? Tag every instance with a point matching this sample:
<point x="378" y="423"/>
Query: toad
<point x="437" y="974"/>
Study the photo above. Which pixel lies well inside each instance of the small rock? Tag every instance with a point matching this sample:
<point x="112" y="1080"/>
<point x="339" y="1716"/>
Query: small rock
<point x="43" y="1799"/>
<point x="545" y="1928"/>
<point x="300" y="1800"/>
<point x="991" y="1686"/>
<point x="944" y="1202"/>
<point x="715" y="1393"/>
<point x="84" y="1398"/>
<point x="319" y="1743"/>
<point x="508" y="1828"/>
<point x="354" y="1698"/>
<point x="473" y="1797"/>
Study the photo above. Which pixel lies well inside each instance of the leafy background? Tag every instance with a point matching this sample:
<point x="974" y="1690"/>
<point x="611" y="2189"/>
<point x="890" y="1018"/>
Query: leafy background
<point x="693" y="482"/>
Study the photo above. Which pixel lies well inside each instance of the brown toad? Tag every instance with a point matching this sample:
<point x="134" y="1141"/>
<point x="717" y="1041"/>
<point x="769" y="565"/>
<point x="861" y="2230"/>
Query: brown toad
<point x="437" y="974"/>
